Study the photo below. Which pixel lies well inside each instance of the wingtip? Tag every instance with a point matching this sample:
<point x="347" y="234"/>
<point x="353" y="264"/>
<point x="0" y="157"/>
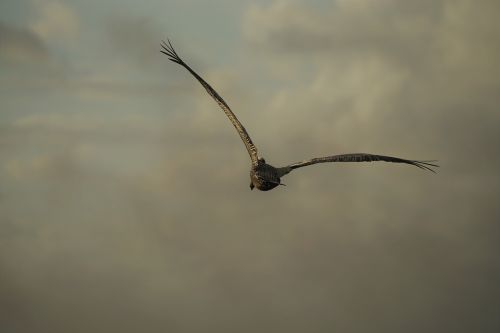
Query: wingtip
<point x="169" y="51"/>
<point x="426" y="165"/>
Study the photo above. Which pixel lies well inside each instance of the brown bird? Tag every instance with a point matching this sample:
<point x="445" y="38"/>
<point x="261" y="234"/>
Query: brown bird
<point x="262" y="175"/>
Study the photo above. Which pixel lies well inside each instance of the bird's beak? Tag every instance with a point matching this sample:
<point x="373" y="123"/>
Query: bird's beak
<point x="251" y="186"/>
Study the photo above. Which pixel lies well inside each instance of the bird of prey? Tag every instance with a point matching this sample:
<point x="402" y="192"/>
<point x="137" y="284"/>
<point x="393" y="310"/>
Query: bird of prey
<point x="264" y="176"/>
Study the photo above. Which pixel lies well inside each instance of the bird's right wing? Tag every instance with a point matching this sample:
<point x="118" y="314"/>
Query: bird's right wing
<point x="173" y="56"/>
<point x="361" y="157"/>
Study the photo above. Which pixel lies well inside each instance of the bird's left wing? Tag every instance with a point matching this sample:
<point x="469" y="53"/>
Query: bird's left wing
<point x="173" y="56"/>
<point x="361" y="157"/>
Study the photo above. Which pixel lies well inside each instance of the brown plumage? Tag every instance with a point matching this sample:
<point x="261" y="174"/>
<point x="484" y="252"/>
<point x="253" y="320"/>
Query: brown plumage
<point x="262" y="175"/>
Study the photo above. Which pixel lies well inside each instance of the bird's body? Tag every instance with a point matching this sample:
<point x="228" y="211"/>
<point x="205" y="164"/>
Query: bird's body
<point x="264" y="176"/>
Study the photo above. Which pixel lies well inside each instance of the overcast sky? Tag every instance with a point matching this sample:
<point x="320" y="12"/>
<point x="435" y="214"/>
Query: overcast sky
<point x="124" y="190"/>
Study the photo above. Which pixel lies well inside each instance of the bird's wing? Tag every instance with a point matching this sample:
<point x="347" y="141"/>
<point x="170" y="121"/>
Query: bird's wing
<point x="362" y="157"/>
<point x="173" y="56"/>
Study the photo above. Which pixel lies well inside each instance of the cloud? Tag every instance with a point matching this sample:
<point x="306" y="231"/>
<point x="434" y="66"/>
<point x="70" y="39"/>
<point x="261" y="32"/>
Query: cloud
<point x="133" y="212"/>
<point x="135" y="38"/>
<point x="55" y="20"/>
<point x="402" y="32"/>
<point x="360" y="81"/>
<point x="19" y="45"/>
<point x="343" y="25"/>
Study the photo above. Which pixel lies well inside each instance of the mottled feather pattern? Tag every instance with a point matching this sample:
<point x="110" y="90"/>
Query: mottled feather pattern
<point x="362" y="157"/>
<point x="264" y="176"/>
<point x="173" y="56"/>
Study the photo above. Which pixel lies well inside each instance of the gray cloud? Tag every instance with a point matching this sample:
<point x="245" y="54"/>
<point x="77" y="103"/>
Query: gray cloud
<point x="135" y="38"/>
<point x="18" y="45"/>
<point x="132" y="212"/>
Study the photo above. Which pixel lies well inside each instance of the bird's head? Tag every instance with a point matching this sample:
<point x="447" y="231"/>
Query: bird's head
<point x="261" y="160"/>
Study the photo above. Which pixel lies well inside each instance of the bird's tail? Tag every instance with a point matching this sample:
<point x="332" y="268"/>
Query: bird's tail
<point x="283" y="171"/>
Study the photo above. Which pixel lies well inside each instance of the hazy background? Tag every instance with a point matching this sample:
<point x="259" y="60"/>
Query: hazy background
<point x="124" y="198"/>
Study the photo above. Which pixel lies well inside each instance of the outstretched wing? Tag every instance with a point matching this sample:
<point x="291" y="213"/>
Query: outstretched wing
<point x="361" y="157"/>
<point x="173" y="56"/>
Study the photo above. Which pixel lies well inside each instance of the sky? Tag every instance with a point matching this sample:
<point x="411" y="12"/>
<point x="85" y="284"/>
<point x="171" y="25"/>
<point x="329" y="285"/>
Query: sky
<point x="124" y="190"/>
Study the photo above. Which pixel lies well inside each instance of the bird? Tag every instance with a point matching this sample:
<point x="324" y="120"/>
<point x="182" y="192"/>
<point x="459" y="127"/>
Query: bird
<point x="264" y="176"/>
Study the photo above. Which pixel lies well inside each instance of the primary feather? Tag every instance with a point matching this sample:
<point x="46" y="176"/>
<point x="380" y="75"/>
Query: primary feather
<point x="173" y="56"/>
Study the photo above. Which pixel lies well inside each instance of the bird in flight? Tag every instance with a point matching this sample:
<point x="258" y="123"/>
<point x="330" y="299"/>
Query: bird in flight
<point x="264" y="176"/>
